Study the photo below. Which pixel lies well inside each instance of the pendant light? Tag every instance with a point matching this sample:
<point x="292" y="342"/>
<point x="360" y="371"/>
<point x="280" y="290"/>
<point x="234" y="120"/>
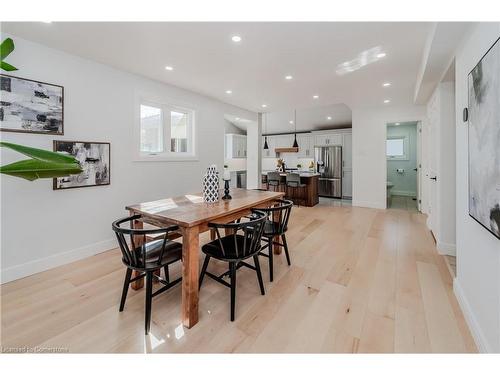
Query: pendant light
<point x="266" y="147"/>
<point x="295" y="144"/>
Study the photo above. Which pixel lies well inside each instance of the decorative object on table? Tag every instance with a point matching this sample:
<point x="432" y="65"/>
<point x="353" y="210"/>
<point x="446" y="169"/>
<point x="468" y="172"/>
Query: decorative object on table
<point x="484" y="140"/>
<point x="281" y="165"/>
<point x="299" y="166"/>
<point x="6" y="48"/>
<point x="311" y="166"/>
<point x="226" y="178"/>
<point x="211" y="185"/>
<point x="43" y="163"/>
<point x="94" y="159"/>
<point x="28" y="106"/>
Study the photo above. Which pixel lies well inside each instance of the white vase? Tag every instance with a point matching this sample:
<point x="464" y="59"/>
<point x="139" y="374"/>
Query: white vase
<point x="211" y="185"/>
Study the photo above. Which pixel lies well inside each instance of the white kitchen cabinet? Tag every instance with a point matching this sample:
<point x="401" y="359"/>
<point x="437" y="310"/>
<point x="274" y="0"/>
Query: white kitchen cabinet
<point x="306" y="150"/>
<point x="347" y="184"/>
<point x="329" y="139"/>
<point x="236" y="146"/>
<point x="347" y="151"/>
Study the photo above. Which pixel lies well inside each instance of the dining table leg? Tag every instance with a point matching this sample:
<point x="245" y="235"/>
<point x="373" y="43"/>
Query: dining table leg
<point x="138" y="241"/>
<point x="277" y="240"/>
<point x="190" y="274"/>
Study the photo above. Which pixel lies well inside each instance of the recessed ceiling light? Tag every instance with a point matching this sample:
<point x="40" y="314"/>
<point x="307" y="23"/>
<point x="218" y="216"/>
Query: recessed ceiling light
<point x="169" y="68"/>
<point x="236" y="38"/>
<point x="387" y="101"/>
<point x="380" y="55"/>
<point x="237" y="118"/>
<point x="315" y="96"/>
<point x="387" y="84"/>
<point x="229" y="92"/>
<point x="397" y="123"/>
<point x="329" y="118"/>
<point x="291" y="122"/>
<point x="288" y="77"/>
<point x="47" y="21"/>
<point x="264" y="105"/>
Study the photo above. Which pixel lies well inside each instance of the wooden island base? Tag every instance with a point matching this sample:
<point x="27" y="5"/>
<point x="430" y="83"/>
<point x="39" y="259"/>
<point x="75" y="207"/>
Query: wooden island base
<point x="308" y="196"/>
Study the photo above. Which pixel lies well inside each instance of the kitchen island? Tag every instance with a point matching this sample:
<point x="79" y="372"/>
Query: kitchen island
<point x="307" y="196"/>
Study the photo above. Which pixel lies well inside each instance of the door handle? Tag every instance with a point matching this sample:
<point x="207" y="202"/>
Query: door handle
<point x="434" y="178"/>
<point x="415" y="169"/>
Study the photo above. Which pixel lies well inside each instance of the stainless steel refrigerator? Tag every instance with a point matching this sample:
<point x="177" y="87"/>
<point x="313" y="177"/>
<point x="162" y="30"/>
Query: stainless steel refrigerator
<point x="328" y="160"/>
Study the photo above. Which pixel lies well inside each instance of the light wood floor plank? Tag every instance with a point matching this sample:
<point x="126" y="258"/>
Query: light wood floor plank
<point x="442" y="327"/>
<point x="361" y="280"/>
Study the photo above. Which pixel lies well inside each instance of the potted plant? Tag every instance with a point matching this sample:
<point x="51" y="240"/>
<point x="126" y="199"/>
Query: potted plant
<point x="42" y="163"/>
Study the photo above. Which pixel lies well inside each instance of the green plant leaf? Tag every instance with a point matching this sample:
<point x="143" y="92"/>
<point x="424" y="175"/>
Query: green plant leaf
<point x="32" y="169"/>
<point x="6" y="48"/>
<point x="7" y="67"/>
<point x="42" y="155"/>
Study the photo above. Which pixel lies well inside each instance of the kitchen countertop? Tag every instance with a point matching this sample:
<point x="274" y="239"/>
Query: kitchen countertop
<point x="301" y="173"/>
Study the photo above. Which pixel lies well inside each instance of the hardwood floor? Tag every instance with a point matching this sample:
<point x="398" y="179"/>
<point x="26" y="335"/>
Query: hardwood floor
<point x="403" y="203"/>
<point x="361" y="280"/>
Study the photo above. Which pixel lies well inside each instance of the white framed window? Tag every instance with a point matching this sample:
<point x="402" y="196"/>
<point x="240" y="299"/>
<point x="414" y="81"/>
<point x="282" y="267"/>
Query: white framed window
<point x="397" y="148"/>
<point x="164" y="131"/>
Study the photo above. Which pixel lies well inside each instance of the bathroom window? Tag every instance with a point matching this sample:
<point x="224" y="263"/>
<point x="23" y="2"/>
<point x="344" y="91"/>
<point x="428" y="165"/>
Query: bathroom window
<point x="397" y="148"/>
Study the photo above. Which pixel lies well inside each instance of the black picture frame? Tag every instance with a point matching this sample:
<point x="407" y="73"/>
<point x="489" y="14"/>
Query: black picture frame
<point x="470" y="108"/>
<point x="6" y="79"/>
<point x="72" y="182"/>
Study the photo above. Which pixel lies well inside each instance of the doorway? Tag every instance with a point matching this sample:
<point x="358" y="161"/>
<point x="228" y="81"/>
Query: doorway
<point x="403" y="166"/>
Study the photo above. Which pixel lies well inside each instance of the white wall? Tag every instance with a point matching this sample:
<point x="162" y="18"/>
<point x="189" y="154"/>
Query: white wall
<point x="404" y="183"/>
<point x="230" y="128"/>
<point x="254" y="154"/>
<point x="477" y="285"/>
<point x="42" y="228"/>
<point x="369" y="150"/>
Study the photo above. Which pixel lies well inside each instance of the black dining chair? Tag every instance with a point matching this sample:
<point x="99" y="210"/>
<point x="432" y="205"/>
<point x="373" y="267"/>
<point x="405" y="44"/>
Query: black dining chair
<point x="147" y="258"/>
<point x="244" y="242"/>
<point x="294" y="186"/>
<point x="276" y="225"/>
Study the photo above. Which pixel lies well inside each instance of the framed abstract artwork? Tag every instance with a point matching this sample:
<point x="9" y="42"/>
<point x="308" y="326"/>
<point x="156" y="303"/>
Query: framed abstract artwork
<point x="484" y="140"/>
<point x="94" y="158"/>
<point x="28" y="106"/>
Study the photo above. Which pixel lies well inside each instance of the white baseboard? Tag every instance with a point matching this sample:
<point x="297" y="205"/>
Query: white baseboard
<point x="39" y="265"/>
<point x="404" y="193"/>
<point x="477" y="333"/>
<point x="446" y="248"/>
<point x="358" y="203"/>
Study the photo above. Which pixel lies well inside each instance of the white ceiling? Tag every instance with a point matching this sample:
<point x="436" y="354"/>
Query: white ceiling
<point x="205" y="59"/>
<point x="437" y="58"/>
<point x="314" y="118"/>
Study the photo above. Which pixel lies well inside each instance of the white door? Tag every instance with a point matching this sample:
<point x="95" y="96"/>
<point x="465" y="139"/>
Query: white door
<point x="419" y="166"/>
<point x="432" y="173"/>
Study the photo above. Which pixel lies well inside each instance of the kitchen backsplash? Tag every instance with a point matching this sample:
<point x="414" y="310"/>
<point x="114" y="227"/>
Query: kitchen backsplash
<point x="291" y="161"/>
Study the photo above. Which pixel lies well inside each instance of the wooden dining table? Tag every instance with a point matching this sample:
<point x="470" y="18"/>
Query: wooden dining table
<point x="192" y="215"/>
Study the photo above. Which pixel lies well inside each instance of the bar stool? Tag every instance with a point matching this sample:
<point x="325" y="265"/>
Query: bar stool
<point x="294" y="185"/>
<point x="264" y="181"/>
<point x="273" y="181"/>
